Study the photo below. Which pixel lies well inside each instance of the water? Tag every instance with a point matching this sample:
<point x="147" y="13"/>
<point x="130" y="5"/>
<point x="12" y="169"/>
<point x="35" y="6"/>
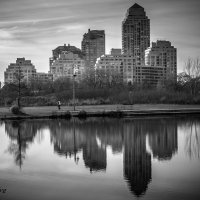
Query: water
<point x="98" y="158"/>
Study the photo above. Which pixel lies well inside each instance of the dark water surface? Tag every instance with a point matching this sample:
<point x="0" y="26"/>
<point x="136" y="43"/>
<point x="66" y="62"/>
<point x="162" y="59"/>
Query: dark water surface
<point x="100" y="159"/>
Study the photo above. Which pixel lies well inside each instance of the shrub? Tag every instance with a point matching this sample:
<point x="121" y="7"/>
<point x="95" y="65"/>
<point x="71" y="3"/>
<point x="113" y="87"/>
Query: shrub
<point x="116" y="114"/>
<point x="15" y="110"/>
<point x="82" y="114"/>
<point x="67" y="115"/>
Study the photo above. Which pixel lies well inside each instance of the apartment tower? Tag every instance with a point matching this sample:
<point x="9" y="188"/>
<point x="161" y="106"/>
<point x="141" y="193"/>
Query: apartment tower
<point x="136" y="33"/>
<point x="93" y="46"/>
<point x="67" y="60"/>
<point x="23" y="67"/>
<point x="162" y="54"/>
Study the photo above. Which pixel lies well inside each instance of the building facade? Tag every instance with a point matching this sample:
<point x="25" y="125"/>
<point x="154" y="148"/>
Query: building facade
<point x="67" y="64"/>
<point x="44" y="77"/>
<point x="136" y="33"/>
<point x="57" y="51"/>
<point x="162" y="55"/>
<point x="123" y="66"/>
<point x="93" y="46"/>
<point x="22" y="69"/>
<point x="150" y="76"/>
<point x="116" y="64"/>
<point x="115" y="51"/>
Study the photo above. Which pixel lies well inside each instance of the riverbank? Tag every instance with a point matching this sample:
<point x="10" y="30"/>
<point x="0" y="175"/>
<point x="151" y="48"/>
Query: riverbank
<point x="101" y="110"/>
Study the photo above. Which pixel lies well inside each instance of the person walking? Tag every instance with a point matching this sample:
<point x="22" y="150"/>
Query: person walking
<point x="59" y="105"/>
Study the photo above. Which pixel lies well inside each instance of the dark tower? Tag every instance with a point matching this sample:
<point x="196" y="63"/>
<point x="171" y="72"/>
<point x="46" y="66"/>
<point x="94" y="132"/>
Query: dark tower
<point x="136" y="33"/>
<point x="93" y="46"/>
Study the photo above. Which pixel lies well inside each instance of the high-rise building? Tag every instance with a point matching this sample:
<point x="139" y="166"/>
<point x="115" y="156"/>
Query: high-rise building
<point x="93" y="46"/>
<point x="162" y="54"/>
<point x="22" y="68"/>
<point x="136" y="33"/>
<point x="66" y="61"/>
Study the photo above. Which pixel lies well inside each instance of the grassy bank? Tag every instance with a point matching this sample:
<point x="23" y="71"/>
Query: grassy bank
<point x="115" y="97"/>
<point x="102" y="110"/>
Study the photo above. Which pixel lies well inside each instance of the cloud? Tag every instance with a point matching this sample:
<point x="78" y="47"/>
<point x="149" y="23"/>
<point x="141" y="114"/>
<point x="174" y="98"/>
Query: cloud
<point x="5" y="35"/>
<point x="31" y="29"/>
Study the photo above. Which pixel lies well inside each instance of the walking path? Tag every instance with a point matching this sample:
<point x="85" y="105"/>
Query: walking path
<point x="127" y="110"/>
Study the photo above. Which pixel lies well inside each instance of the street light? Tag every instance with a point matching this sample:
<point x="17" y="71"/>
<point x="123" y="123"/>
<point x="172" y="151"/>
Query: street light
<point x="75" y="69"/>
<point x="19" y="85"/>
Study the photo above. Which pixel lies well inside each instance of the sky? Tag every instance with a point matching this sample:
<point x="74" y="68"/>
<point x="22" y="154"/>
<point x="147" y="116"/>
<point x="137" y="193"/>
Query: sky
<point x="33" y="28"/>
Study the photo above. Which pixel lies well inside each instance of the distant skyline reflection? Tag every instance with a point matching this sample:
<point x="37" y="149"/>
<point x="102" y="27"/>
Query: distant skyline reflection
<point x="142" y="145"/>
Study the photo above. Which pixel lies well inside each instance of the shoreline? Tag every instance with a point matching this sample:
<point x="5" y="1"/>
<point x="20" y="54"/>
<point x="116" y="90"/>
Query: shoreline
<point x="115" y="111"/>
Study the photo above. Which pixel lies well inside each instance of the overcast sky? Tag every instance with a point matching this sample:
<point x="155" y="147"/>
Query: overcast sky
<point x="32" y="28"/>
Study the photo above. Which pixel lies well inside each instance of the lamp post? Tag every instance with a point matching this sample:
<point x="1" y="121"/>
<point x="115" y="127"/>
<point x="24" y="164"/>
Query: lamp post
<point x="19" y="85"/>
<point x="74" y="75"/>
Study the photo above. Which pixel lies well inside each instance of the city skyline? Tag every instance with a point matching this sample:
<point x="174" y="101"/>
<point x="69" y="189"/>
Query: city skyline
<point x="33" y="29"/>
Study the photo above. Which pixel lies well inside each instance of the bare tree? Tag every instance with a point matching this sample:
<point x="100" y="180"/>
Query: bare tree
<point x="18" y="81"/>
<point x="108" y="78"/>
<point x="192" y="71"/>
<point x="192" y="67"/>
<point x="192" y="144"/>
<point x="89" y="78"/>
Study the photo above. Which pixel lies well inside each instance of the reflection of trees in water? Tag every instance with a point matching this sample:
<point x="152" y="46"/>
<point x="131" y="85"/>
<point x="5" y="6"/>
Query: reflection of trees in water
<point x="1" y="122"/>
<point x="18" y="148"/>
<point x="21" y="134"/>
<point x="192" y="141"/>
<point x="191" y="129"/>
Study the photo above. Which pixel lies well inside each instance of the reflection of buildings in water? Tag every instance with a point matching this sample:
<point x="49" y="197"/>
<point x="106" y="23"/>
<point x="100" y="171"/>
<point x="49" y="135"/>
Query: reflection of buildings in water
<point x="162" y="134"/>
<point x="94" y="155"/>
<point x="70" y="138"/>
<point x="93" y="136"/>
<point x="67" y="139"/>
<point x="21" y="134"/>
<point x="137" y="162"/>
<point x="163" y="139"/>
<point x="111" y="133"/>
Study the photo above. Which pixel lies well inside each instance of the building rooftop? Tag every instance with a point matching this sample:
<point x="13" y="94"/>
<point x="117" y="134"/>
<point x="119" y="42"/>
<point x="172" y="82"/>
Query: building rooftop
<point x="136" y="10"/>
<point x="69" y="48"/>
<point x="94" y="34"/>
<point x="135" y="6"/>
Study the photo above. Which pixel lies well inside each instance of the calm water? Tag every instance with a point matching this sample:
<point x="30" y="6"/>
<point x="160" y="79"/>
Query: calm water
<point x="155" y="158"/>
